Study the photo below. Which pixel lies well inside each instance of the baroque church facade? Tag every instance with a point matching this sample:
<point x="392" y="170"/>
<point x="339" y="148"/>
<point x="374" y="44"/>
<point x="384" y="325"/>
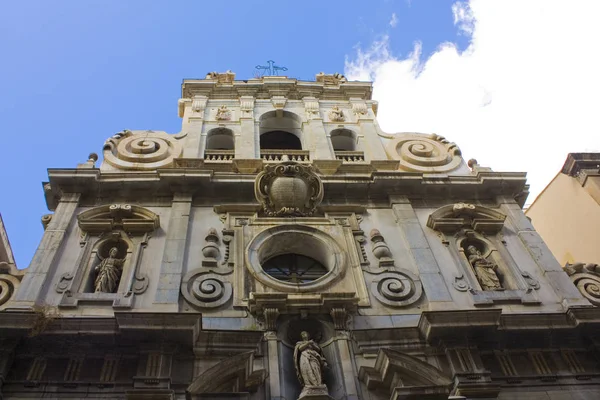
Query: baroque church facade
<point x="282" y="246"/>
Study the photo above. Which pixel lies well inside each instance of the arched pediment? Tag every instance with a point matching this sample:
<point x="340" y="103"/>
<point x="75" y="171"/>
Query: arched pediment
<point x="232" y="375"/>
<point x="453" y="217"/>
<point x="130" y="218"/>
<point x="405" y="377"/>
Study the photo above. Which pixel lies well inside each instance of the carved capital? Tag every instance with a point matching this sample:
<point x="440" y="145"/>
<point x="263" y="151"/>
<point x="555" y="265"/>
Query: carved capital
<point x="270" y="315"/>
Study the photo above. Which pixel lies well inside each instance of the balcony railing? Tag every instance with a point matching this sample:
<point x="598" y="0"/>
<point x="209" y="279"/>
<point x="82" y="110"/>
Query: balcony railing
<point x="350" y="156"/>
<point x="219" y="155"/>
<point x="285" y="155"/>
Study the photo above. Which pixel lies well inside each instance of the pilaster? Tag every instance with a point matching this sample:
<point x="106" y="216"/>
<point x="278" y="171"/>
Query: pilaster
<point x="245" y="142"/>
<point x="192" y="111"/>
<point x="342" y="343"/>
<point x="431" y="277"/>
<point x="541" y="254"/>
<point x="38" y="277"/>
<point x="167" y="292"/>
<point x="274" y="373"/>
<point x="373" y="146"/>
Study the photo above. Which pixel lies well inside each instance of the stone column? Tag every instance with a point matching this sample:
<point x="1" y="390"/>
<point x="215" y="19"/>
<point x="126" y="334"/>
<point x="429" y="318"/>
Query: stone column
<point x="37" y="279"/>
<point x="540" y="253"/>
<point x="429" y="271"/>
<point x="167" y="292"/>
<point x="274" y="373"/>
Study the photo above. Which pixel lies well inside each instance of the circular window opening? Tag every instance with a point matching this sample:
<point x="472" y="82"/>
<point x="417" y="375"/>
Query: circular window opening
<point x="294" y="268"/>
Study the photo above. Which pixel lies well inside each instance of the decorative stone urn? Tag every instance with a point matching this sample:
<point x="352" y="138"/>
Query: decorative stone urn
<point x="288" y="189"/>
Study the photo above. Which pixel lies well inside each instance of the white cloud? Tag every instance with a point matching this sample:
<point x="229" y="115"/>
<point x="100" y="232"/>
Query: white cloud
<point x="463" y="17"/>
<point x="523" y="95"/>
<point x="394" y="20"/>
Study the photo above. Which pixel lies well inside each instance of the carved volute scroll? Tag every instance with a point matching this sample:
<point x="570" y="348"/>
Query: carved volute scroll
<point x="10" y="279"/>
<point x="289" y="189"/>
<point x="142" y="150"/>
<point x="423" y="153"/>
<point x="587" y="279"/>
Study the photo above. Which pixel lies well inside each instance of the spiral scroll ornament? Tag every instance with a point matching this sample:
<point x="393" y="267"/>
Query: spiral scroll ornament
<point x="142" y="150"/>
<point x="397" y="289"/>
<point x="587" y="279"/>
<point x="206" y="289"/>
<point x="424" y="153"/>
<point x="8" y="285"/>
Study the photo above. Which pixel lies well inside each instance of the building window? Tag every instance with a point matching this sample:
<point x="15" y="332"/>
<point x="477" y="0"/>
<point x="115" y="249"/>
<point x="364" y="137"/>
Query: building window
<point x="343" y="140"/>
<point x="294" y="268"/>
<point x="220" y="139"/>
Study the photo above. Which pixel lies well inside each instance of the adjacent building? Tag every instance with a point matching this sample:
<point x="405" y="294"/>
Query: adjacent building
<point x="282" y="246"/>
<point x="567" y="212"/>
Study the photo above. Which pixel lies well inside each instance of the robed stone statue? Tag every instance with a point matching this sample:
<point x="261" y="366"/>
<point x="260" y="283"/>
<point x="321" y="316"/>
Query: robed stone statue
<point x="108" y="273"/>
<point x="484" y="269"/>
<point x="310" y="362"/>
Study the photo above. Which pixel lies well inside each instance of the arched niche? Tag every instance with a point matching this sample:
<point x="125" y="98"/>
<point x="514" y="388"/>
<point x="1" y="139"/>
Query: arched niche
<point x="101" y="251"/>
<point x="461" y="225"/>
<point x="490" y="253"/>
<point x="220" y="139"/>
<point x="343" y="140"/>
<point x="127" y="227"/>
<point x="280" y="130"/>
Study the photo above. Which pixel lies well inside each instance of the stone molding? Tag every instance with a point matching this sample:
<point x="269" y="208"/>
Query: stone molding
<point x="107" y="218"/>
<point x="233" y="372"/>
<point x="453" y="217"/>
<point x="405" y="377"/>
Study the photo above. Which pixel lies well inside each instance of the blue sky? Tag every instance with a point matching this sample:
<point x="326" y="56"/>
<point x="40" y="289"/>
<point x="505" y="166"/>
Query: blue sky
<point x="75" y="72"/>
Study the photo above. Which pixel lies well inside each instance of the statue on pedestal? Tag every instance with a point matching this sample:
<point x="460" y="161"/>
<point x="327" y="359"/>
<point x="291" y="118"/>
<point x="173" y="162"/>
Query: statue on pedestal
<point x="108" y="273"/>
<point x="310" y="362"/>
<point x="484" y="269"/>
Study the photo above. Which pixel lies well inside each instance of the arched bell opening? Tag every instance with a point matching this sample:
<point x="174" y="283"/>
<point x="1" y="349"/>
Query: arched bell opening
<point x="280" y="130"/>
<point x="343" y="140"/>
<point x="220" y="139"/>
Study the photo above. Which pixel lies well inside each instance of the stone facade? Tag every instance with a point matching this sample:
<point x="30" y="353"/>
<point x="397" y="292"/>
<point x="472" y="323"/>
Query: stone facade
<point x="281" y="237"/>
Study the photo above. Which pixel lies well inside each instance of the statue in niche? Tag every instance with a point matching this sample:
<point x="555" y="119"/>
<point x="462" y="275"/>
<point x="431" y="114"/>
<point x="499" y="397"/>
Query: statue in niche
<point x="108" y="273"/>
<point x="310" y="362"/>
<point x="484" y="269"/>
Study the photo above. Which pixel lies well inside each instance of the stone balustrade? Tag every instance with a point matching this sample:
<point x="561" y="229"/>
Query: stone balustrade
<point x="350" y="156"/>
<point x="219" y="155"/>
<point x="285" y="155"/>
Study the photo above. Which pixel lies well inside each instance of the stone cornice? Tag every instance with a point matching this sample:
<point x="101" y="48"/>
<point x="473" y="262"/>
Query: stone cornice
<point x="267" y="87"/>
<point x="227" y="185"/>
<point x="576" y="162"/>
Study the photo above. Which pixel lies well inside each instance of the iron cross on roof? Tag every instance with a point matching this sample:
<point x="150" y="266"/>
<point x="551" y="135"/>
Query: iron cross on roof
<point x="270" y="69"/>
